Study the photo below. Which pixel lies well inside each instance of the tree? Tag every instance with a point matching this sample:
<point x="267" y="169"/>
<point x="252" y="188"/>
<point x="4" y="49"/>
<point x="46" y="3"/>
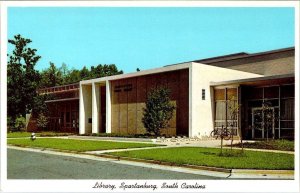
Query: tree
<point x="51" y="77"/>
<point x="158" y="111"/>
<point x="104" y="70"/>
<point x="84" y="73"/>
<point x="22" y="78"/>
<point x="233" y="113"/>
<point x="72" y="76"/>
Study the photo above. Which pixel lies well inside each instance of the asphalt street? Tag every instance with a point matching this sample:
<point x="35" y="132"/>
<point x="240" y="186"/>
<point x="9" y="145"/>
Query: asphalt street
<point x="34" y="165"/>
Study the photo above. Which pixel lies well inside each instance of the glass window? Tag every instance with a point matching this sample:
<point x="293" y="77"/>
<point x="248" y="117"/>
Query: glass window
<point x="68" y="117"/>
<point x="220" y="110"/>
<point x="271" y="92"/>
<point x="287" y="109"/>
<point x="287" y="91"/>
<point x="219" y="94"/>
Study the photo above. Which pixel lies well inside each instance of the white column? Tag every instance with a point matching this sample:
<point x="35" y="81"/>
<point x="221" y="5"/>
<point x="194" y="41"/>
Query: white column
<point x="81" y="111"/>
<point x="108" y="107"/>
<point x="95" y="107"/>
<point x="190" y="102"/>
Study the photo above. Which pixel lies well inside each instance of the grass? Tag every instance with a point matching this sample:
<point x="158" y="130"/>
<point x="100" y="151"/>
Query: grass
<point x="75" y="145"/>
<point x="280" y="144"/>
<point x="210" y="157"/>
<point x="41" y="134"/>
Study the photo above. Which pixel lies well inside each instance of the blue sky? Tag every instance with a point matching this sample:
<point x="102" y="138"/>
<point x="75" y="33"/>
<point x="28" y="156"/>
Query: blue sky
<point x="146" y="38"/>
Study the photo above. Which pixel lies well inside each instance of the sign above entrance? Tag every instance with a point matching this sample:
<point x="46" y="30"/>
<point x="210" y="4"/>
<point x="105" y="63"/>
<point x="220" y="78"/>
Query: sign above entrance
<point x="124" y="87"/>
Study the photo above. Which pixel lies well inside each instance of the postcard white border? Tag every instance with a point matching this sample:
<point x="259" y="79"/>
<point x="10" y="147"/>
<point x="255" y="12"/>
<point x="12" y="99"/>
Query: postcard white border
<point x="86" y="185"/>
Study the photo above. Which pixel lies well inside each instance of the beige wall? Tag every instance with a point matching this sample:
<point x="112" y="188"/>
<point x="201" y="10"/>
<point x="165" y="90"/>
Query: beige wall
<point x="201" y="111"/>
<point x="269" y="67"/>
<point x="127" y="106"/>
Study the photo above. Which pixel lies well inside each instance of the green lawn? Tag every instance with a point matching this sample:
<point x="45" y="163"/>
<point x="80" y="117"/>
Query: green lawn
<point x="41" y="134"/>
<point x="280" y="144"/>
<point x="75" y="145"/>
<point x="209" y="157"/>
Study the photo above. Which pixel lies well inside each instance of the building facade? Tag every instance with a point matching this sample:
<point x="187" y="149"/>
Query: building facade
<point x="203" y="92"/>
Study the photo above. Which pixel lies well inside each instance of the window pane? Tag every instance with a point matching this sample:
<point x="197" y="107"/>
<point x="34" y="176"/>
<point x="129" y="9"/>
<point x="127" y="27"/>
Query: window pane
<point x="232" y="110"/>
<point x="220" y="110"/>
<point x="219" y="94"/>
<point x="287" y="109"/>
<point x="231" y="93"/>
<point x="271" y="92"/>
<point x="287" y="91"/>
<point x="254" y="93"/>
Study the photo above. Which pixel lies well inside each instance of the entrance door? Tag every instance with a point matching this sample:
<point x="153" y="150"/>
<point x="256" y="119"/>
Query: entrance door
<point x="263" y="123"/>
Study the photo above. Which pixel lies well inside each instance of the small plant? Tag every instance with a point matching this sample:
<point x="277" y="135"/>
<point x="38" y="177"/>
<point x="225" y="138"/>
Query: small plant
<point x="159" y="110"/>
<point x="20" y="123"/>
<point x="233" y="112"/>
<point x="42" y="121"/>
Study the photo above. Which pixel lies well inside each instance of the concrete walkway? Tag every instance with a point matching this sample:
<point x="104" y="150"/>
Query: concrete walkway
<point x="168" y="142"/>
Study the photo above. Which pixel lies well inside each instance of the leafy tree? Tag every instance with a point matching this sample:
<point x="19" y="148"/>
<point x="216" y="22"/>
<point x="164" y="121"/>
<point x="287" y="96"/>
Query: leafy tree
<point x="51" y="77"/>
<point x="158" y="111"/>
<point x="72" y="76"/>
<point x="84" y="73"/>
<point x="22" y="78"/>
<point x="40" y="105"/>
<point x="64" y="70"/>
<point x="104" y="70"/>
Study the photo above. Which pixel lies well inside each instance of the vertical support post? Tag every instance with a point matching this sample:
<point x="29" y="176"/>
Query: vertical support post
<point x="95" y="107"/>
<point x="263" y="116"/>
<point x="239" y="116"/>
<point x="191" y="101"/>
<point x="279" y="113"/>
<point x="81" y="111"/>
<point x="225" y="97"/>
<point x="108" y="107"/>
<point x="253" y="123"/>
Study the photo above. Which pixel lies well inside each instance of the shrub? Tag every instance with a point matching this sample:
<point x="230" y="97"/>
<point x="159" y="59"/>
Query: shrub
<point x="158" y="111"/>
<point x="20" y="123"/>
<point x="42" y="121"/>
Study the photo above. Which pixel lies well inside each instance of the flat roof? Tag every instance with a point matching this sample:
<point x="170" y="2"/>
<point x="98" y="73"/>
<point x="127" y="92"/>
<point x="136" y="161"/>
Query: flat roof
<point x="139" y="73"/>
<point x="258" y="80"/>
<point x="241" y="55"/>
<point x="236" y="56"/>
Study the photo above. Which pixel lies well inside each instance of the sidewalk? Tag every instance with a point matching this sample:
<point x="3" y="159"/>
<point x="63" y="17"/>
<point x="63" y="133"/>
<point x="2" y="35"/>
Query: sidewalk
<point x="169" y="143"/>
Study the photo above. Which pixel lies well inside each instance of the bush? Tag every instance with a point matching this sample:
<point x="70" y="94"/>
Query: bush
<point x="10" y="124"/>
<point x="158" y="111"/>
<point x="42" y="121"/>
<point x="20" y="123"/>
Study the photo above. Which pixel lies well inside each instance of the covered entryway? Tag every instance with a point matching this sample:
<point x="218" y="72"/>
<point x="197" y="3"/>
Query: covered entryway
<point x="266" y="106"/>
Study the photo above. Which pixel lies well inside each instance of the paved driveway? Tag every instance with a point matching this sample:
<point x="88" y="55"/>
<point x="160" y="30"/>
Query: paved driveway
<point x="34" y="165"/>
